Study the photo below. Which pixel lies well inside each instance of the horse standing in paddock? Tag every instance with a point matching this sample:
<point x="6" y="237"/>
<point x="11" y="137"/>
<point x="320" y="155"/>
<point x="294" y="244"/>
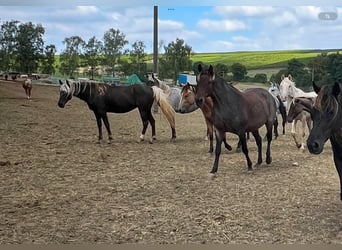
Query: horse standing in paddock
<point x="102" y="98"/>
<point x="288" y="91"/>
<point x="327" y="124"/>
<point x="173" y="94"/>
<point x="299" y="112"/>
<point x="27" y="85"/>
<point x="237" y="112"/>
<point x="187" y="104"/>
<point x="274" y="90"/>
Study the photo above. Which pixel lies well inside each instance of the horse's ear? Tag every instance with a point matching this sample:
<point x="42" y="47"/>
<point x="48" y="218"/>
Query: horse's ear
<point x="282" y="77"/>
<point x="68" y="83"/>
<point x="336" y="89"/>
<point x="315" y="87"/>
<point x="211" y="70"/>
<point x="60" y="82"/>
<point x="199" y="67"/>
<point x="290" y="77"/>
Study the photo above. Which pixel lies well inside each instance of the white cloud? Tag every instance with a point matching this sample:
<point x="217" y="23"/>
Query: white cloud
<point x="249" y="11"/>
<point x="221" y="25"/>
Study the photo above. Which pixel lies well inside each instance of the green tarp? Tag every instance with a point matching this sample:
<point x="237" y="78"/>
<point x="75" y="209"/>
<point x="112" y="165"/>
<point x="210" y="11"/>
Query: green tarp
<point x="133" y="79"/>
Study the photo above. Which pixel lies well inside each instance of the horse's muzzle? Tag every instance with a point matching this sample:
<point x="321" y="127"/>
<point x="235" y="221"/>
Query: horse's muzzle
<point x="199" y="101"/>
<point x="61" y="105"/>
<point x="314" y="147"/>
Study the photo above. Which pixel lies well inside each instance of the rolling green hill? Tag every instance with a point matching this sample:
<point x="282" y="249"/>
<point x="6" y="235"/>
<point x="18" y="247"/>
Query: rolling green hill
<point x="258" y="59"/>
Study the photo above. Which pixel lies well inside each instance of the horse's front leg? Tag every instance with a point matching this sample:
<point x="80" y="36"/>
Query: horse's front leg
<point x="219" y="138"/>
<point x="303" y="134"/>
<point x="337" y="152"/>
<point x="99" y="126"/>
<point x="210" y="135"/>
<point x="144" y="119"/>
<point x="106" y="123"/>
<point x="293" y="133"/>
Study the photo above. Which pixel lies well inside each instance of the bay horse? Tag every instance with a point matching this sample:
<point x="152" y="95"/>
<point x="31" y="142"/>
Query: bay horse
<point x="27" y="85"/>
<point x="187" y="104"/>
<point x="299" y="112"/>
<point x="288" y="91"/>
<point x="237" y="112"/>
<point x="102" y="98"/>
<point x="327" y="124"/>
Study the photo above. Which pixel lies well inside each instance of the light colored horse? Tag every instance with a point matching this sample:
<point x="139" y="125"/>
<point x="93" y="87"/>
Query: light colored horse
<point x="289" y="91"/>
<point x="27" y="85"/>
<point x="172" y="94"/>
<point x="281" y="106"/>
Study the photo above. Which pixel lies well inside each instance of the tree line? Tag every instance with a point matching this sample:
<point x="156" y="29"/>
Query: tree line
<point x="22" y="49"/>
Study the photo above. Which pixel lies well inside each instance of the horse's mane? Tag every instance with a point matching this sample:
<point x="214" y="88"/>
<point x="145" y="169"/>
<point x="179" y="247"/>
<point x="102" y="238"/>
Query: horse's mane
<point x="326" y="102"/>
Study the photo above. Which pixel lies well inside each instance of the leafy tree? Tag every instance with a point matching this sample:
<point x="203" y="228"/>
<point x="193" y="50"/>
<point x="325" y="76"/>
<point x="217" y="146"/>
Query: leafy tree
<point x="137" y="55"/>
<point x="70" y="57"/>
<point x="175" y="59"/>
<point x="92" y="50"/>
<point x="295" y="67"/>
<point x="114" y="42"/>
<point x="261" y="77"/>
<point x="8" y="34"/>
<point x="49" y="59"/>
<point x="221" y="69"/>
<point x="29" y="47"/>
<point x="239" y="71"/>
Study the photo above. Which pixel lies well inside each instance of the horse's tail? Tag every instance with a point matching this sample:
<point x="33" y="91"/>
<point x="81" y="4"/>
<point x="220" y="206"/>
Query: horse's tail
<point x="164" y="105"/>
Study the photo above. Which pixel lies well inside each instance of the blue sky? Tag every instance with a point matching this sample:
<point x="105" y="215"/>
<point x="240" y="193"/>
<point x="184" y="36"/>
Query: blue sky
<point x="204" y="28"/>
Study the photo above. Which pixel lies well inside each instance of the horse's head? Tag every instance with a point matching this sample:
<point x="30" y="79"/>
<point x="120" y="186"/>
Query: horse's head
<point x="284" y="87"/>
<point x="65" y="93"/>
<point x="205" y="81"/>
<point x="326" y="115"/>
<point x="274" y="89"/>
<point x="187" y="101"/>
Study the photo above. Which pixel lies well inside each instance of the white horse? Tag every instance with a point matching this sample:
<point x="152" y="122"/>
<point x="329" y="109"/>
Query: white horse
<point x="289" y="91"/>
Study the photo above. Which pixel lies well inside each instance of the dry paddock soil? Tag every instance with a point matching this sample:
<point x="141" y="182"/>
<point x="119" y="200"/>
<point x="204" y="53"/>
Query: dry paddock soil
<point x="59" y="186"/>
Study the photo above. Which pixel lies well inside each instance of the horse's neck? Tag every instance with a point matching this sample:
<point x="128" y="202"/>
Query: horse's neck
<point x="82" y="90"/>
<point x="222" y="87"/>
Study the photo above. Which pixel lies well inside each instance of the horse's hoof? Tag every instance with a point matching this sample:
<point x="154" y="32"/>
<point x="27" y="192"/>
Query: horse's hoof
<point x="98" y="142"/>
<point x="173" y="139"/>
<point x="212" y="176"/>
<point x="151" y="141"/>
<point x="109" y="142"/>
<point x="238" y="150"/>
<point x="250" y="171"/>
<point x="268" y="160"/>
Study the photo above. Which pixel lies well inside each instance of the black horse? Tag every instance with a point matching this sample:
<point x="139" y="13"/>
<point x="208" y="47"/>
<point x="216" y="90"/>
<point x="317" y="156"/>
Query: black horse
<point x="326" y="115"/>
<point x="102" y="98"/>
<point x="237" y="112"/>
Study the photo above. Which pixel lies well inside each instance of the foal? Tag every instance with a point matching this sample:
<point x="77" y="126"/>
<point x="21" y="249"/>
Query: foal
<point x="299" y="112"/>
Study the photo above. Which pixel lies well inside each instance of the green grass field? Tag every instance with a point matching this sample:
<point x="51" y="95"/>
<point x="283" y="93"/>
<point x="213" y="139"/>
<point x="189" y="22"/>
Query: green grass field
<point x="258" y="59"/>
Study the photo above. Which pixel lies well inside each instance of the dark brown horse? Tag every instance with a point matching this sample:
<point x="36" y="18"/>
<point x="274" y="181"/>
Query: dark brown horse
<point x="298" y="112"/>
<point x="187" y="104"/>
<point x="237" y="112"/>
<point x="102" y="98"/>
<point x="327" y="124"/>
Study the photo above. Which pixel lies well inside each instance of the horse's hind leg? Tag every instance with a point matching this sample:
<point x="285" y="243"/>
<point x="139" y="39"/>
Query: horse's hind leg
<point x="106" y="123"/>
<point x="269" y="140"/>
<point x="144" y="118"/>
<point x="29" y="92"/>
<point x="153" y="125"/>
<point x="243" y="141"/>
<point x="258" y="142"/>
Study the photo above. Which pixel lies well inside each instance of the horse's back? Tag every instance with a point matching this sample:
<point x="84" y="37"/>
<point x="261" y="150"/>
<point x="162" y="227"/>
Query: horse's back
<point x="260" y="107"/>
<point x="122" y="99"/>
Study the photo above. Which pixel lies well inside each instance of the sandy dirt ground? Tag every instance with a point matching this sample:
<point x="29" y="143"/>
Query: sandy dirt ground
<point x="58" y="186"/>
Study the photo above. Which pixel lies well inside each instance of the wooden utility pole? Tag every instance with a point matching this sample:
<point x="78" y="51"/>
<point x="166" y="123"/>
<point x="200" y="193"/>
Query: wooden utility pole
<point x="155" y="39"/>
